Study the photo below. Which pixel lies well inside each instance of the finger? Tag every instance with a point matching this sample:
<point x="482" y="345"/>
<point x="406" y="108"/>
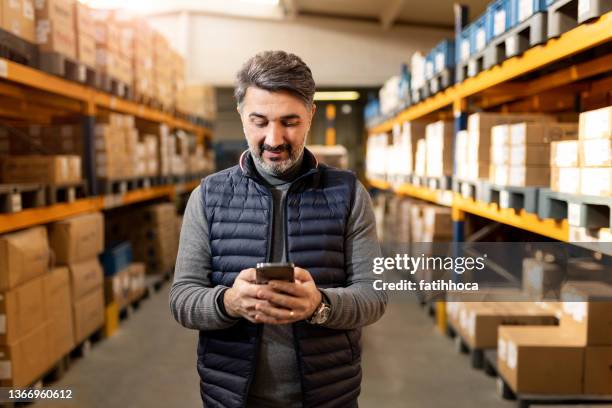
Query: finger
<point x="247" y="275"/>
<point x="287" y="287"/>
<point x="302" y="274"/>
<point x="290" y="302"/>
<point x="276" y="312"/>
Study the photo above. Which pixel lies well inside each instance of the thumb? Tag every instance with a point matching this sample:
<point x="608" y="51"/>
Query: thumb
<point x="302" y="275"/>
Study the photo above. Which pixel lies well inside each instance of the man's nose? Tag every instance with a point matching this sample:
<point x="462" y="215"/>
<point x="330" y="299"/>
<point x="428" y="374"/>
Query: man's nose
<point x="275" y="135"/>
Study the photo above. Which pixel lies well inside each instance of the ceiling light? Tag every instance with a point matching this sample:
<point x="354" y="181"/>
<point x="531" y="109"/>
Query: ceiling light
<point x="336" y="96"/>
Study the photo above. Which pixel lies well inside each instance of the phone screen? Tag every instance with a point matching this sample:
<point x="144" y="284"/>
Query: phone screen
<point x="273" y="271"/>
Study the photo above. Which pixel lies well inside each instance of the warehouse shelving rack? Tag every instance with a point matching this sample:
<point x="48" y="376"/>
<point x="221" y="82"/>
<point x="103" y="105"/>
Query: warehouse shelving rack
<point x="30" y="94"/>
<point x="493" y="89"/>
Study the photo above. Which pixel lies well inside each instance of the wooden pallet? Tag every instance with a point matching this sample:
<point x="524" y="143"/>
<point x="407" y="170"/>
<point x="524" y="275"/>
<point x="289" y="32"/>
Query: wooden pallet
<point x="66" y="67"/>
<point x="17" y="197"/>
<point x="84" y="347"/>
<point x="123" y="185"/>
<point x="114" y="86"/>
<point x="442" y="80"/>
<point x="517" y="198"/>
<point x="65" y="192"/>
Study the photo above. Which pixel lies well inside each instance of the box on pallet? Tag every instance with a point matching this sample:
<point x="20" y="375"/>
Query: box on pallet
<point x="523" y="9"/>
<point x="24" y="255"/>
<point x="117" y="288"/>
<point x="137" y="271"/>
<point x="598" y="370"/>
<point x="499" y="18"/>
<point x="596" y="124"/>
<point x="56" y="169"/>
<point x="77" y="238"/>
<point x="542" y="279"/>
<point x="88" y="314"/>
<point x="540" y="360"/>
<point x="22" y="310"/>
<point x="17" y="17"/>
<point x="439" y="137"/>
<point x="587" y="312"/>
<point x="85" y="35"/>
<point x="85" y="276"/>
<point x="25" y="360"/>
<point x="478" y="34"/>
<point x="58" y="305"/>
<point x="480" y="326"/>
<point x="55" y="27"/>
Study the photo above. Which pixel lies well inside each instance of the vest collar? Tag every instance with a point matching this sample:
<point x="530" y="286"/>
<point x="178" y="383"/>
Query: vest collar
<point x="310" y="165"/>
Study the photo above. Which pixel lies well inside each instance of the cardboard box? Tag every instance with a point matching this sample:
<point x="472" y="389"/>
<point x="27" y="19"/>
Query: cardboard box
<point x="55" y="31"/>
<point x="541" y="279"/>
<point x="499" y="175"/>
<point x="23" y="362"/>
<point x="85" y="277"/>
<point x="77" y="238"/>
<point x="598" y="370"/>
<point x="482" y="320"/>
<point x="439" y="138"/>
<point x="83" y="21"/>
<point x="565" y="153"/>
<point x="542" y="132"/>
<point x="38" y="169"/>
<point x="530" y="155"/>
<point x="86" y="50"/>
<point x="88" y="314"/>
<point x="21" y="310"/>
<point x="437" y="223"/>
<point x="107" y="31"/>
<point x="58" y="305"/>
<point x="522" y="176"/>
<point x="596" y="153"/>
<point x="587" y="312"/>
<point x="486" y="120"/>
<point x="596" y="124"/>
<point x="540" y="360"/>
<point x="596" y="181"/>
<point x="117" y="289"/>
<point x="565" y="179"/>
<point x="17" y="17"/>
<point x="137" y="272"/>
<point x="24" y="255"/>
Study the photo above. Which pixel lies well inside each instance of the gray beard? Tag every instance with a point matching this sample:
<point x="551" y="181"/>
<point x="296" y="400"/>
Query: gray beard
<point x="277" y="169"/>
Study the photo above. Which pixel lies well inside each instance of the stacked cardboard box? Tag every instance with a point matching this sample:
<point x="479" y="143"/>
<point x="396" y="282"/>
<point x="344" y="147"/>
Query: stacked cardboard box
<point x="25" y="352"/>
<point x="420" y="158"/>
<point x="143" y="59"/>
<point x="76" y="242"/>
<point x="439" y="138"/>
<point x="521" y="152"/>
<point x="165" y="145"/>
<point x="571" y="359"/>
<point x="17" y="17"/>
<point x="152" y="232"/>
<point x="163" y="70"/>
<point x="55" y="169"/>
<point x="113" y="52"/>
<point x="474" y="147"/>
<point x="55" y="31"/>
<point x="85" y="34"/>
<point x="376" y="156"/>
<point x="198" y="100"/>
<point x="404" y="145"/>
<point x="596" y="152"/>
<point x="542" y="278"/>
<point x="155" y="241"/>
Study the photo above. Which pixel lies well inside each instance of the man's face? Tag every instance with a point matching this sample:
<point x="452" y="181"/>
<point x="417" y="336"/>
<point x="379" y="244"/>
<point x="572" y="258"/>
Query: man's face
<point x="275" y="125"/>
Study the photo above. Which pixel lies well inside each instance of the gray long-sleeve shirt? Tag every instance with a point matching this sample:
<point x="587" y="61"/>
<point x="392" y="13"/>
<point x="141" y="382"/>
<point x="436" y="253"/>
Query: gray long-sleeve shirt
<point x="193" y="299"/>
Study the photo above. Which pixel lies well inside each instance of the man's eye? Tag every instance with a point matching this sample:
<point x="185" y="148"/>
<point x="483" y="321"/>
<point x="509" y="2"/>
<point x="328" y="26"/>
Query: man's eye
<point x="261" y="124"/>
<point x="291" y="124"/>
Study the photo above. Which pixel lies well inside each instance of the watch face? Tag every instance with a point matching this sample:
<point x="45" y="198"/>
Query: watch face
<point x="322" y="314"/>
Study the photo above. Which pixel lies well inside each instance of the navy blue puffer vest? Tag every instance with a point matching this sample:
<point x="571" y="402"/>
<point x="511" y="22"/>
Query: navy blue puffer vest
<point x="238" y="207"/>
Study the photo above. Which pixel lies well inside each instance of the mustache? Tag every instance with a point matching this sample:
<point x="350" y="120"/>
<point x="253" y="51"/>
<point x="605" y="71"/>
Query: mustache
<point x="285" y="147"/>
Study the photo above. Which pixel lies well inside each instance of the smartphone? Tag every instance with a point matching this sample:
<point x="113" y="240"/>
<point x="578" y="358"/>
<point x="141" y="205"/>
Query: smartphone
<point x="268" y="271"/>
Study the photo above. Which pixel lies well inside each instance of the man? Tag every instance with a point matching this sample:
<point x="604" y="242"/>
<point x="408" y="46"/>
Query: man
<point x="281" y="344"/>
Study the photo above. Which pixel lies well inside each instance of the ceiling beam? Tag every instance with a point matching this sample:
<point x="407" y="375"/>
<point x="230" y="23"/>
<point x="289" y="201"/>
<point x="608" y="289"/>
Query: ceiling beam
<point x="389" y="13"/>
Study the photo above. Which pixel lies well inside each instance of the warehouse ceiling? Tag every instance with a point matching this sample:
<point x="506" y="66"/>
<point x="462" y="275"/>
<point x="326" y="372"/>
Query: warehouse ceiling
<point x="436" y="13"/>
<point x="386" y="13"/>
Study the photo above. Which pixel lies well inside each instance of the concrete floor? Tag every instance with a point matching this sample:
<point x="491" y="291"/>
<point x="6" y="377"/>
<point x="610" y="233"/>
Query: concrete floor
<point x="150" y="363"/>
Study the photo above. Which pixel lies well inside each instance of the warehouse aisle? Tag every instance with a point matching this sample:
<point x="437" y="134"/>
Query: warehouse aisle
<point x="150" y="363"/>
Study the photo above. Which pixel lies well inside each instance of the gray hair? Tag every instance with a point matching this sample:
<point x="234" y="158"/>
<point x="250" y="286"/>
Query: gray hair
<point x="276" y="71"/>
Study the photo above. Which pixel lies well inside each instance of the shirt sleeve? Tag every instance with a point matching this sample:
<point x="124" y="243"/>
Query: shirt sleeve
<point x="358" y="304"/>
<point x="194" y="302"/>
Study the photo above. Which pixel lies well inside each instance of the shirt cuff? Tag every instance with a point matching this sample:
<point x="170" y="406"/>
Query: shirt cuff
<point x="220" y="306"/>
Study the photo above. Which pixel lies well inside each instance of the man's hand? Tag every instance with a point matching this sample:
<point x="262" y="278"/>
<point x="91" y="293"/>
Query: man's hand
<point x="241" y="299"/>
<point x="288" y="302"/>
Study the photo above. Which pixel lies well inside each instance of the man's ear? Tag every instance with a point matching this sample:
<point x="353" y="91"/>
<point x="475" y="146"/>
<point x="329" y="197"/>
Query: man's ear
<point x="313" y="111"/>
